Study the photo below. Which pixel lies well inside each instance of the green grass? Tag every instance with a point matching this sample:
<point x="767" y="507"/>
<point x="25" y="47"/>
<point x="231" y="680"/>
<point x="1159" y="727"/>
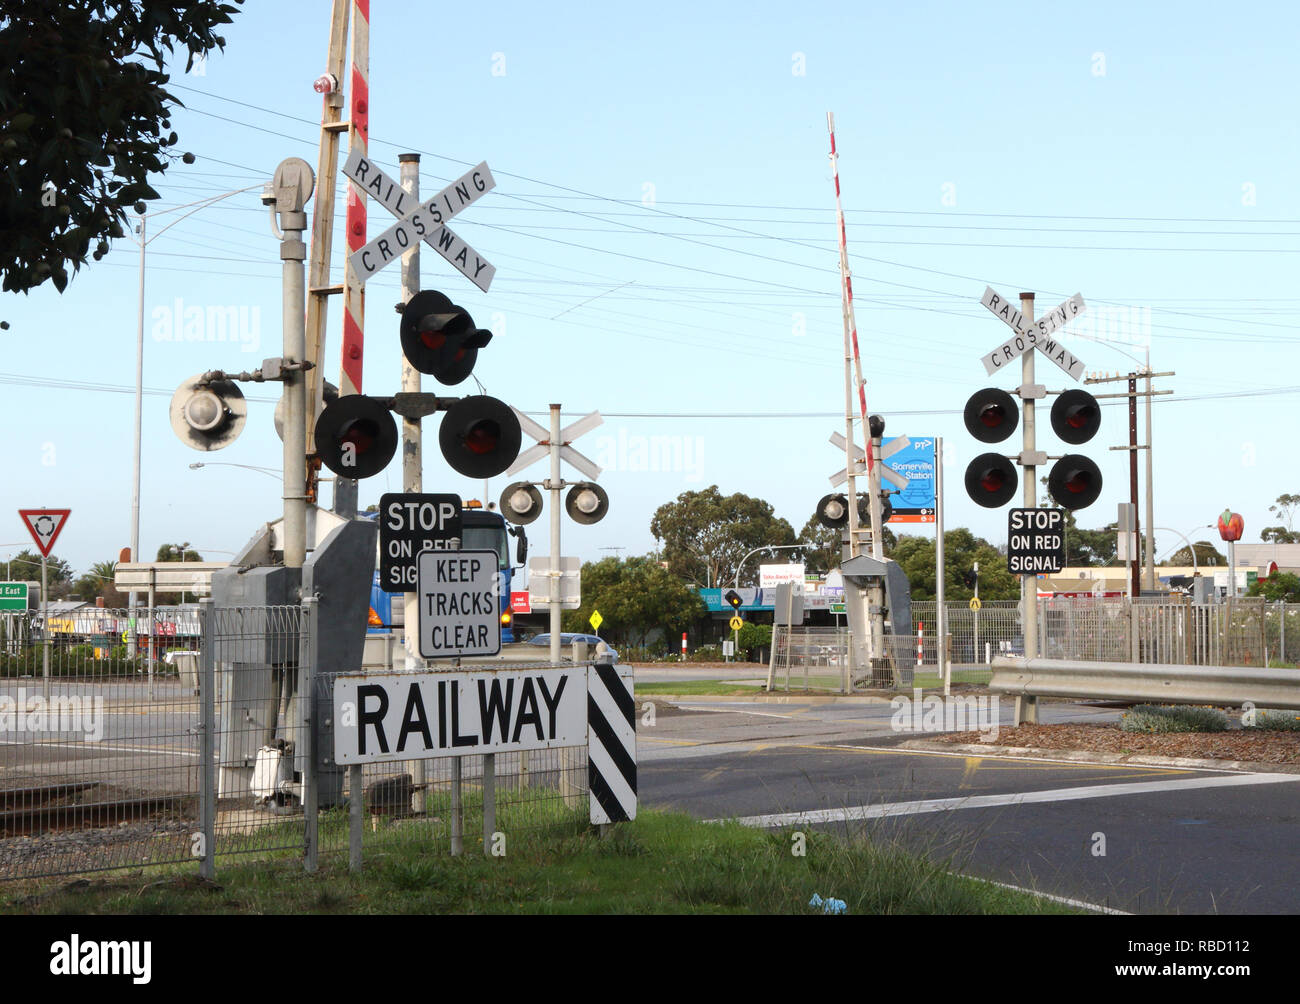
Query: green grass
<point x="720" y="688"/>
<point x="1161" y="718"/>
<point x="662" y="863"/>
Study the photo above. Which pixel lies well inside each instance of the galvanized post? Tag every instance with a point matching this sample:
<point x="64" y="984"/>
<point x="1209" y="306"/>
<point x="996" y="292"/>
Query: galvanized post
<point x="356" y="810"/>
<point x="207" y="744"/>
<point x="489" y="800"/>
<point x="457" y="809"/>
<point x="940" y="574"/>
<point x="1027" y="707"/>
<point x="153" y="575"/>
<point x="45" y="628"/>
<point x="307" y="653"/>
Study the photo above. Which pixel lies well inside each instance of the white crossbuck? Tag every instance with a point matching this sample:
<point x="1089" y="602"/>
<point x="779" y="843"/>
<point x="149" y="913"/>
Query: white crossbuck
<point x="887" y="473"/>
<point x="567" y="435"/>
<point x="1037" y="334"/>
<point x="426" y="221"/>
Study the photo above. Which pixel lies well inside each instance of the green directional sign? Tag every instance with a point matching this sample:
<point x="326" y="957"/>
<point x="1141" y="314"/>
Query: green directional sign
<point x="13" y="595"/>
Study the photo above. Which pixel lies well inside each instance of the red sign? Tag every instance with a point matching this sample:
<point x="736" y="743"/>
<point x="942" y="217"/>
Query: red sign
<point x="44" y="526"/>
<point x="519" y="603"/>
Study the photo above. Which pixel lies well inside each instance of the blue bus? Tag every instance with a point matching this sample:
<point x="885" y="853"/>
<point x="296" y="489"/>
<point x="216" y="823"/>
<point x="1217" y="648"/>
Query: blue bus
<point x="481" y="530"/>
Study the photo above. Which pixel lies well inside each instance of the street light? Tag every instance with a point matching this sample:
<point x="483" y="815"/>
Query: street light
<point x="273" y="472"/>
<point x="1187" y="540"/>
<point x="142" y="241"/>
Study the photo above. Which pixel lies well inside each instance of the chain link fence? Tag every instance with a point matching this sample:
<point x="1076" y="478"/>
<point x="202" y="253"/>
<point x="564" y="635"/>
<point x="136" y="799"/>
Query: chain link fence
<point x="101" y="757"/>
<point x="1158" y="630"/>
<point x="99" y="745"/>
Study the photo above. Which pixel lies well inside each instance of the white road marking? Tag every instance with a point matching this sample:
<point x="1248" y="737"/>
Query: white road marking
<point x="1064" y="900"/>
<point x="888" y="809"/>
<point x="732" y="711"/>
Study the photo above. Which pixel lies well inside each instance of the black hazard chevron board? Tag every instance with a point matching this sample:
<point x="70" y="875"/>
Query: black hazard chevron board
<point x="611" y="743"/>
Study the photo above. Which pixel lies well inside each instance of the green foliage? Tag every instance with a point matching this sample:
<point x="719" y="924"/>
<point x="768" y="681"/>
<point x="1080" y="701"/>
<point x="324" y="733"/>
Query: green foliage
<point x="1173" y="718"/>
<point x="634" y="596"/>
<point x="916" y="556"/>
<point x="705" y="535"/>
<point x="1284" y="509"/>
<point x="1284" y="586"/>
<point x="1272" y="720"/>
<point x="753" y="636"/>
<point x="1207" y="556"/>
<point x="25" y="566"/>
<point x="84" y="122"/>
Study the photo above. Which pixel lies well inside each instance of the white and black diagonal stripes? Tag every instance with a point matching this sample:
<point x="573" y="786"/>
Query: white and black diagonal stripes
<point x="611" y="743"/>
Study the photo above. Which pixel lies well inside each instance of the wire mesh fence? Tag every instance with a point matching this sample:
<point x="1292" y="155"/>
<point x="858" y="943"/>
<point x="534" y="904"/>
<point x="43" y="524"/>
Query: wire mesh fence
<point x="99" y="747"/>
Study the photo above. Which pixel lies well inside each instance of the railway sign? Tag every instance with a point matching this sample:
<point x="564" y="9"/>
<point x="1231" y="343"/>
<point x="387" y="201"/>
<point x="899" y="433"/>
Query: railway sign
<point x="1035" y="541"/>
<point x="1033" y="334"/>
<point x="44" y="525"/>
<point x="423" y="222"/>
<point x="422" y="716"/>
<point x="457" y="593"/>
<point x="13" y="595"/>
<point x="411" y="522"/>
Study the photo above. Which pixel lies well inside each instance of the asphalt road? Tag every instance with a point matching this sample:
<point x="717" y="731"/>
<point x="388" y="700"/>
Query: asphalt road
<point x="1175" y="840"/>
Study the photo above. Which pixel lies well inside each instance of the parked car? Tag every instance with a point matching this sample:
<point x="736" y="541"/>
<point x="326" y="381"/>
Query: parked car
<point x="568" y="638"/>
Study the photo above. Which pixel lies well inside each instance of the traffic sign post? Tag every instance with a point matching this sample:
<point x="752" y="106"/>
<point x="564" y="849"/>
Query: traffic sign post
<point x="45" y="525"/>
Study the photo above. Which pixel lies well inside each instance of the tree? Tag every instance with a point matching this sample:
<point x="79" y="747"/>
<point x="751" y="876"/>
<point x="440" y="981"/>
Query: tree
<point x="1207" y="556"/>
<point x="1283" y="586"/>
<point x="827" y="547"/>
<point x="97" y="582"/>
<point x="705" y="535"/>
<point x="25" y="566"/>
<point x="1284" y="509"/>
<point x="961" y="549"/>
<point x="85" y="121"/>
<point x="634" y="596"/>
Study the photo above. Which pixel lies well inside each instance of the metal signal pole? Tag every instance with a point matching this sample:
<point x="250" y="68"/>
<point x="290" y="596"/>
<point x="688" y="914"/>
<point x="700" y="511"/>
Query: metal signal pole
<point x="1027" y="707"/>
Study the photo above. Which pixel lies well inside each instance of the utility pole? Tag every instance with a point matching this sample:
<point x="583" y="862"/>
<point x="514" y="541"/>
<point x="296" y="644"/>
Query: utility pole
<point x="1027" y="711"/>
<point x="1133" y="446"/>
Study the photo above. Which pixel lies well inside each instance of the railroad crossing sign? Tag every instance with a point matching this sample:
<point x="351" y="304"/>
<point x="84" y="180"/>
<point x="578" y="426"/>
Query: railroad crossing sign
<point x="44" y="525"/>
<point x="1033" y="334"/>
<point x="567" y="435"/>
<point x="887" y="450"/>
<point x="426" y="221"/>
<point x="737" y="622"/>
<point x="595" y="620"/>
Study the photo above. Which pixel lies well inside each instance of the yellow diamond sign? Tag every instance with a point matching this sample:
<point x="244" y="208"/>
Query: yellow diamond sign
<point x="595" y="620"/>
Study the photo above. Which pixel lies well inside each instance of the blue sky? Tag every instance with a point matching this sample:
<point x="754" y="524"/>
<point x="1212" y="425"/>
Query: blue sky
<point x="664" y="237"/>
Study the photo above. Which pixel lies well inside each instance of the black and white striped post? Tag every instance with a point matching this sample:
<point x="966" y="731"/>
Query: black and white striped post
<point x="611" y="743"/>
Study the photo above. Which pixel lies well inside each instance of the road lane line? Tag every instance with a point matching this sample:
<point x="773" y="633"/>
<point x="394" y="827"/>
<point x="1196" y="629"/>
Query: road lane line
<point x="1064" y="900"/>
<point x="889" y="809"/>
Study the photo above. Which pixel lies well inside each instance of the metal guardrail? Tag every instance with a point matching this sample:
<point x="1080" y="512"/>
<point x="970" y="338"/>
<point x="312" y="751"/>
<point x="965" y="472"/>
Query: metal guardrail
<point x="1227" y="686"/>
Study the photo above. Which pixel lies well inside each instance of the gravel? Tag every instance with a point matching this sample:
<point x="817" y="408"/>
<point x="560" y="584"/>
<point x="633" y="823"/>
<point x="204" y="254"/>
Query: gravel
<point x="1236" y="744"/>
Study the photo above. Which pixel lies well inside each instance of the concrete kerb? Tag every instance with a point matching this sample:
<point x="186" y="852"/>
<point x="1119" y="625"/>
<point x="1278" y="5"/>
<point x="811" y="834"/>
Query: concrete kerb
<point x="818" y="699"/>
<point x="1091" y="756"/>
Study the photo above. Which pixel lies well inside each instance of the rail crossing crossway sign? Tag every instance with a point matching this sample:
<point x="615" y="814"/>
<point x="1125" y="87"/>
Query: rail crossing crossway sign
<point x="1037" y="334"/>
<point x="1035" y="541"/>
<point x="427" y="715"/>
<point x="44" y="525"/>
<point x="423" y="222"/>
<point x="411" y="522"/>
<point x="457" y="593"/>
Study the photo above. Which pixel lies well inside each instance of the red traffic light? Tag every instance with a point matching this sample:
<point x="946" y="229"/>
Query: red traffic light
<point x="991" y="415"/>
<point x="1076" y="416"/>
<point x="991" y="480"/>
<point x="1075" y="482"/>
<point x="356" y="436"/>
<point x="480" y="436"/>
<point x="439" y="338"/>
